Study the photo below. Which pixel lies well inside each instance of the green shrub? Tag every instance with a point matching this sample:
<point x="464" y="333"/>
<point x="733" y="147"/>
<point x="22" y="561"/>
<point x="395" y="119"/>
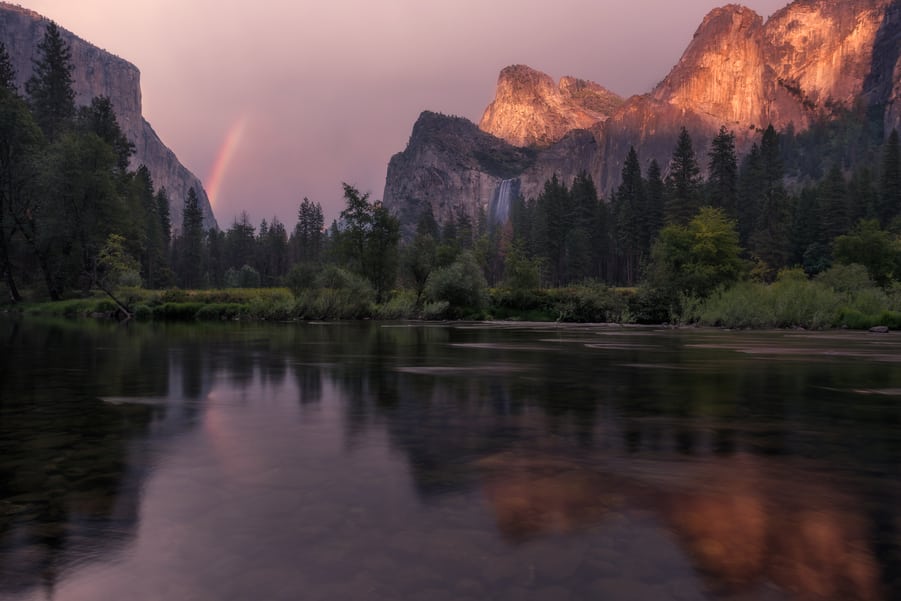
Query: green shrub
<point x="461" y="284"/>
<point x="436" y="310"/>
<point x="399" y="306"/>
<point x="177" y="311"/>
<point x="220" y="311"/>
<point x="846" y="278"/>
<point x="802" y="303"/>
<point x="143" y="313"/>
<point x="745" y="305"/>
<point x="588" y="302"/>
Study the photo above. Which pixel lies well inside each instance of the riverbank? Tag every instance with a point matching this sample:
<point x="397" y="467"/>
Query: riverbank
<point x="787" y="303"/>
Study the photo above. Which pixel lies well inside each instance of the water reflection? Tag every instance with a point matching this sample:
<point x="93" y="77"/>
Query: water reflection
<point x="446" y="462"/>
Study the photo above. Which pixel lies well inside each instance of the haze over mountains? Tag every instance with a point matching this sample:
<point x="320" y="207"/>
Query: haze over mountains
<point x="99" y="73"/>
<point x="808" y="62"/>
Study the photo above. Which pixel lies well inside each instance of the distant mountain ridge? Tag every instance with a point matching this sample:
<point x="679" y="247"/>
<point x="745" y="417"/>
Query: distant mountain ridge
<point x="100" y="73"/>
<point x="806" y="62"/>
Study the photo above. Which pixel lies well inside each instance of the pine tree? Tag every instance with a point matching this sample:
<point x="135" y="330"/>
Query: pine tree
<point x="889" y="205"/>
<point x="551" y="221"/>
<point x="308" y="232"/>
<point x="100" y="118"/>
<point x="20" y="140"/>
<point x="629" y="206"/>
<point x="7" y="71"/>
<point x="722" y="183"/>
<point x="749" y="194"/>
<point x="49" y="89"/>
<point x="382" y="241"/>
<point x="834" y="218"/>
<point x="163" y="211"/>
<point x="356" y="221"/>
<point x="585" y="235"/>
<point x="769" y="241"/>
<point x="683" y="182"/>
<point x="655" y="192"/>
<point x="191" y="243"/>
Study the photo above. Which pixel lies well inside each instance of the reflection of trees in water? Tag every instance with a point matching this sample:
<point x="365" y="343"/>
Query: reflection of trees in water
<point x="68" y="477"/>
<point x="445" y="415"/>
<point x="451" y="397"/>
<point x="71" y="474"/>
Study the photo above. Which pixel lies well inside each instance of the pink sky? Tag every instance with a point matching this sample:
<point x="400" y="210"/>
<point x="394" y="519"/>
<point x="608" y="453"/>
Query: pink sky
<point x="303" y="95"/>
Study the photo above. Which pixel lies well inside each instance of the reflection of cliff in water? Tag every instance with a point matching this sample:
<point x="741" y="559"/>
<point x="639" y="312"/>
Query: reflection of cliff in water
<point x="72" y="464"/>
<point x="741" y="461"/>
<point x="742" y="520"/>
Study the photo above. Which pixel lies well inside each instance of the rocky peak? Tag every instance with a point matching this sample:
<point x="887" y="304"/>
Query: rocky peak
<point x="529" y="109"/>
<point x="721" y="72"/>
<point x="805" y="63"/>
<point x="823" y="52"/>
<point x="100" y="73"/>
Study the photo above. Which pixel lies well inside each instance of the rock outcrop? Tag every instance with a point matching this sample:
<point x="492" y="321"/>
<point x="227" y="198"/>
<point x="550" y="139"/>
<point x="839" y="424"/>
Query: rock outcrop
<point x="99" y="73"/>
<point x="453" y="167"/>
<point x="530" y="110"/>
<point x="807" y="62"/>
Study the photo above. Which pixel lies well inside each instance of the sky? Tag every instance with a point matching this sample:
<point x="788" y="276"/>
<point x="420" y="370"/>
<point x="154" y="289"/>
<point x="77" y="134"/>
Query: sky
<point x="272" y="101"/>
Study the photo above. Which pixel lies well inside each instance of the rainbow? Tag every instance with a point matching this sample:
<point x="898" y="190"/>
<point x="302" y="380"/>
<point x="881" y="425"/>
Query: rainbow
<point x="223" y="158"/>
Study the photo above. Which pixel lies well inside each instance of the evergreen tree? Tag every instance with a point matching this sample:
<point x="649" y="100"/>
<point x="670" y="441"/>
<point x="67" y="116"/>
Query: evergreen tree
<point x="889" y="205"/>
<point x="863" y="195"/>
<point x="20" y="143"/>
<point x="7" y="71"/>
<point x="272" y="252"/>
<point x="215" y="270"/>
<point x="163" y="211"/>
<point x="420" y="256"/>
<point x="100" y="118"/>
<point x="722" y="184"/>
<point x="308" y="233"/>
<point x="582" y="246"/>
<point x="152" y="250"/>
<point x="833" y="218"/>
<point x="683" y="182"/>
<point x="49" y="89"/>
<point x="190" y="251"/>
<point x="629" y="206"/>
<point x="749" y="194"/>
<point x="807" y="249"/>
<point x="356" y="221"/>
<point x="241" y="242"/>
<point x="550" y="225"/>
<point x="382" y="251"/>
<point x="655" y="193"/>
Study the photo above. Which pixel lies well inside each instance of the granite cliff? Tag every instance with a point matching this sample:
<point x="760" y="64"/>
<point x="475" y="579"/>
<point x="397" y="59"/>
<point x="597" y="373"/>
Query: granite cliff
<point x="530" y="110"/>
<point x="99" y="73"/>
<point x="805" y="63"/>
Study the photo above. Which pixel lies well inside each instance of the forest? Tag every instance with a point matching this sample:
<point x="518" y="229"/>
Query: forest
<point x="802" y="231"/>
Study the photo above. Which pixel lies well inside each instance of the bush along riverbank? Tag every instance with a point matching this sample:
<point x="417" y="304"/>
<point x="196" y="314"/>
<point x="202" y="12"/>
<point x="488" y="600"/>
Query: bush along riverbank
<point x="841" y="297"/>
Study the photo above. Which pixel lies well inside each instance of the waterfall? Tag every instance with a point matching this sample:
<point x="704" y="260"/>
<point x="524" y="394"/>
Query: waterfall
<point x="501" y="200"/>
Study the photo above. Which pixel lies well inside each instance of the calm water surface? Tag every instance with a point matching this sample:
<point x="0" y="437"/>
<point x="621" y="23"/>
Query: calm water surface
<point x="372" y="461"/>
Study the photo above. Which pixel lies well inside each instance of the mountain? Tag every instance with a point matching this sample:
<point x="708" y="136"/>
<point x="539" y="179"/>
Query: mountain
<point x="808" y="62"/>
<point x="530" y="110"/>
<point x="99" y="73"/>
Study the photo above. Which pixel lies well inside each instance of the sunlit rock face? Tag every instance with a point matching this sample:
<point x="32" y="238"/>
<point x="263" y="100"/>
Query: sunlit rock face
<point x="99" y="73"/>
<point x="807" y="62"/>
<point x="529" y="109"/>
<point x="721" y="74"/>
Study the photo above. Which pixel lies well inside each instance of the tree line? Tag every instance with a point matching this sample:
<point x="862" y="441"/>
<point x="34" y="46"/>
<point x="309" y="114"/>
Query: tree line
<point x="74" y="217"/>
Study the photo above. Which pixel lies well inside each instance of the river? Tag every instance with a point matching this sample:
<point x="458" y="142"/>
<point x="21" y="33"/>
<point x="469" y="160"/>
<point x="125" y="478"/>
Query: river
<point x="446" y="462"/>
